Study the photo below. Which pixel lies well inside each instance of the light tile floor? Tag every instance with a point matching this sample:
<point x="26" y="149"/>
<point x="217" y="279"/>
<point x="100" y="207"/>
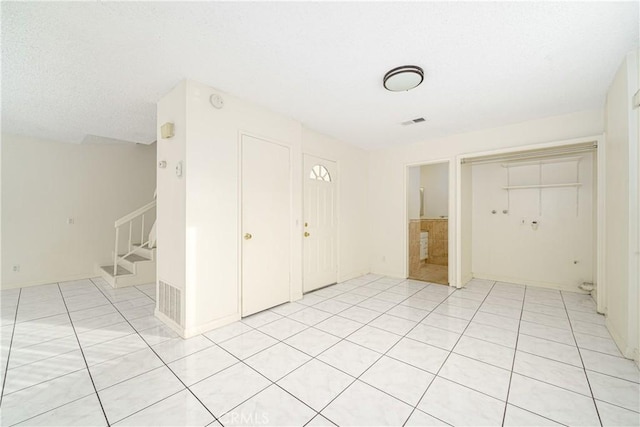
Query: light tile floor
<point x="370" y="351"/>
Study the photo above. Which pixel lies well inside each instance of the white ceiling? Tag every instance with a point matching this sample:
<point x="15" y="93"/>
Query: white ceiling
<point x="75" y="69"/>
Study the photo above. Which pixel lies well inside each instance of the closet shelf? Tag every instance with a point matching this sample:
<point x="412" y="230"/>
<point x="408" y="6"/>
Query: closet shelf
<point x="522" y="187"/>
<point x="519" y="163"/>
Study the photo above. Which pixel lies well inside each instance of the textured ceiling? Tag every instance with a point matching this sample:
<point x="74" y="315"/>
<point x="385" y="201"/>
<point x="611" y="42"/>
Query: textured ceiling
<point x="75" y="69"/>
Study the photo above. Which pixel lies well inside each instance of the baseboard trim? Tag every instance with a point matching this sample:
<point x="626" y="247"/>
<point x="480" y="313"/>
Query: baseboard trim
<point x="466" y="279"/>
<point x="519" y="281"/>
<point x="352" y="275"/>
<point x="83" y="276"/>
<point x="170" y="323"/>
<point x="394" y="274"/>
<point x="196" y="330"/>
<point x="622" y="344"/>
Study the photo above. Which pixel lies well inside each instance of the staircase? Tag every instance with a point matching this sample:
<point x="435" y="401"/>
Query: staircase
<point x="134" y="260"/>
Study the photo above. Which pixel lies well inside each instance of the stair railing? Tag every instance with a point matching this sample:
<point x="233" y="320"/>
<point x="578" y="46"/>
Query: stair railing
<point x="129" y="219"/>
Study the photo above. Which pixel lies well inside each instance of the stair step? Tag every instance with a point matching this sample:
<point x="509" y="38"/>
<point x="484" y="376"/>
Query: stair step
<point x="135" y="258"/>
<point x="137" y="245"/>
<point x="121" y="270"/>
<point x="145" y="251"/>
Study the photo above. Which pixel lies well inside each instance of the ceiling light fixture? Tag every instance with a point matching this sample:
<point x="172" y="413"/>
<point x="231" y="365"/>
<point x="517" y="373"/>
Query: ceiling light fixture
<point x="403" y="78"/>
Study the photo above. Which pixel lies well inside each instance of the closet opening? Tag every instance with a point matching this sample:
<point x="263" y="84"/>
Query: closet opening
<point x="530" y="217"/>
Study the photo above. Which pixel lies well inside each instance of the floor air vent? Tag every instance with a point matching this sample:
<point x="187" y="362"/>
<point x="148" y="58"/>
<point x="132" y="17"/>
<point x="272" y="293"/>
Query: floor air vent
<point x="170" y="302"/>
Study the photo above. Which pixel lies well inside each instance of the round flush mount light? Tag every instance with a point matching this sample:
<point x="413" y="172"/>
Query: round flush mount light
<point x="403" y="78"/>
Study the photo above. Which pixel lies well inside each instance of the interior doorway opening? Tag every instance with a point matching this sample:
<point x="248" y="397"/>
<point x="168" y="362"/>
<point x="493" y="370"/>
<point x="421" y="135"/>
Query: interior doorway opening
<point x="428" y="219"/>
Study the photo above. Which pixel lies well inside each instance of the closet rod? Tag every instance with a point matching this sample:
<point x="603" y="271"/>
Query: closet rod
<point x="531" y="155"/>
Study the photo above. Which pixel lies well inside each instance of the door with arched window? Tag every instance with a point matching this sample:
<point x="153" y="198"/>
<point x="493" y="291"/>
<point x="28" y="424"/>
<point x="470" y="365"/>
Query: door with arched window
<point x="320" y="223"/>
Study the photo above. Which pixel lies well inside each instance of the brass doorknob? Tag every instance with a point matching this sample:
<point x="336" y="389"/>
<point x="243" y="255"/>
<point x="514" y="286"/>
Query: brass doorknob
<point x="306" y="234"/>
<point x="247" y="236"/>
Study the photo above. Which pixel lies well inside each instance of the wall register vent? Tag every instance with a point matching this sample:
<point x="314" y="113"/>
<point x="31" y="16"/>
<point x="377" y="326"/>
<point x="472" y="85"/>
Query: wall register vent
<point x="170" y="302"/>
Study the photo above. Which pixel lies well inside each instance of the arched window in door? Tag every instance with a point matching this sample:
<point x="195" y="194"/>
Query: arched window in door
<point x="320" y="173"/>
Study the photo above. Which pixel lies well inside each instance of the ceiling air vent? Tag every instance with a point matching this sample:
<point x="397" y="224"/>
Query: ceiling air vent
<point x="413" y="122"/>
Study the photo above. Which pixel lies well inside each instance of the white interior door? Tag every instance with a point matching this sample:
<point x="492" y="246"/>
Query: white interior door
<point x="320" y="223"/>
<point x="266" y="220"/>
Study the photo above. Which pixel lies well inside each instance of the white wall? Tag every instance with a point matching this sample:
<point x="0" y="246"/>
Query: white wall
<point x="172" y="191"/>
<point x="413" y="193"/>
<point x="621" y="204"/>
<point x="213" y="204"/>
<point x="210" y="266"/>
<point x="44" y="183"/>
<point x="387" y="175"/>
<point x="505" y="247"/>
<point x="435" y="181"/>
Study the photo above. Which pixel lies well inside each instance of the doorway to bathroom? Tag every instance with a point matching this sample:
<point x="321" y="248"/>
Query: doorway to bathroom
<point x="428" y="220"/>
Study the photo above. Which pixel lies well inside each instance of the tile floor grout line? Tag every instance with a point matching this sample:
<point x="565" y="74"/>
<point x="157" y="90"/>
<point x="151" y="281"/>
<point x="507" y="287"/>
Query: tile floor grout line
<point x="154" y="403"/>
<point x="447" y="358"/>
<point x="388" y="350"/>
<point x="538" y="415"/>
<point x="53" y="409"/>
<point x="129" y="378"/>
<point x="553" y="385"/>
<point x="85" y="359"/>
<point x="548" y="358"/>
<point x="617" y="406"/>
<point x="312" y="358"/>
<point x="613" y="376"/>
<point x="547" y="339"/>
<point x="584" y="369"/>
<point x="602" y="352"/>
<point x="274" y="383"/>
<point x="469" y="322"/>
<point x="13" y="331"/>
<point x="45" y="358"/>
<point x="39" y="318"/>
<point x="320" y="415"/>
<point x="165" y="364"/>
<point x="338" y="316"/>
<point x="137" y="332"/>
<point x="451" y="352"/>
<point x="548" y="326"/>
<point x="45" y="381"/>
<point x="513" y="362"/>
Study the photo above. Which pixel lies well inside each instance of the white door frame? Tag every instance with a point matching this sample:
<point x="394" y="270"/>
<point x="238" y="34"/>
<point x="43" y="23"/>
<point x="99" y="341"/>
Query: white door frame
<point x="452" y="269"/>
<point x="599" y="202"/>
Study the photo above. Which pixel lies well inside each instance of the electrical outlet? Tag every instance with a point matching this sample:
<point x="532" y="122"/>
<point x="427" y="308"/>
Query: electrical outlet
<point x="16" y="268"/>
<point x="71" y="221"/>
<point x="384" y="259"/>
